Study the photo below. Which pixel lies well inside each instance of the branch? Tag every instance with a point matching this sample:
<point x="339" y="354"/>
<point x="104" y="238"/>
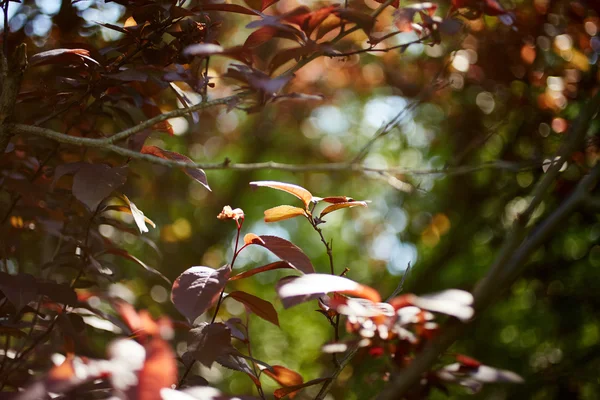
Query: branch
<point x="511" y="258"/>
<point x="268" y="165"/>
<point x="11" y="72"/>
<point x="171" y="114"/>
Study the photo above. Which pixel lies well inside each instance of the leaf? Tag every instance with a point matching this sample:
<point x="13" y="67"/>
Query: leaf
<point x="203" y="49"/>
<point x="338" y="206"/>
<point x="138" y="216"/>
<point x="127" y="255"/>
<point x="61" y="56"/>
<point x="197" y="289"/>
<point x="233" y="8"/>
<point x="20" y="289"/>
<point x="285" y="377"/>
<point x="128" y="210"/>
<point x="324" y="283"/>
<point x="208" y="341"/>
<point x="268" y="267"/>
<point x="281" y="393"/>
<point x="296" y="190"/>
<point x="266" y="33"/>
<point x="258" y="306"/>
<point x="59" y="292"/>
<point x="238" y="363"/>
<point x="285" y="250"/>
<point x="196" y="173"/>
<point x="281" y="213"/>
<point x="95" y="182"/>
<point x="362" y="20"/>
<point x="159" y="371"/>
<point x="292" y="301"/>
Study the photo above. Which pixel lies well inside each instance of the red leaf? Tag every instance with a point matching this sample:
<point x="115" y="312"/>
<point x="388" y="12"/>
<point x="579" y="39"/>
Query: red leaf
<point x="287" y="251"/>
<point x="268" y="267"/>
<point x="266" y="33"/>
<point x="197" y="289"/>
<point x="258" y="306"/>
<point x="159" y="371"/>
<point x="309" y="20"/>
<point x="285" y="377"/>
<point x="281" y="393"/>
<point x="196" y="173"/>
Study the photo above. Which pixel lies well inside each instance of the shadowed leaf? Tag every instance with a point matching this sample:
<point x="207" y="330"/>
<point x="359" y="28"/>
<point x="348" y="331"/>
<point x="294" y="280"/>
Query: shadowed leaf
<point x="95" y="182"/>
<point x="196" y="173"/>
<point x="207" y="342"/>
<point x="258" y="306"/>
<point x="197" y="289"/>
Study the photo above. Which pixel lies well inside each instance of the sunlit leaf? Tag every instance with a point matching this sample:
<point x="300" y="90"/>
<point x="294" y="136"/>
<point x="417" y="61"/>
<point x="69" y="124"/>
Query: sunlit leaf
<point x="281" y="393"/>
<point x="339" y="206"/>
<point x="285" y="377"/>
<point x="324" y="283"/>
<point x="296" y="190"/>
<point x="281" y="213"/>
<point x="159" y="370"/>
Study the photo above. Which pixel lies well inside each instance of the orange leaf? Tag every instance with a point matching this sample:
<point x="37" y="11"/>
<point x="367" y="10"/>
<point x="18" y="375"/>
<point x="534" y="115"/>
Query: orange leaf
<point x="251" y="238"/>
<point x="296" y="190"/>
<point x="338" y="206"/>
<point x="159" y="371"/>
<point x="281" y="213"/>
<point x="289" y="390"/>
<point x="285" y="377"/>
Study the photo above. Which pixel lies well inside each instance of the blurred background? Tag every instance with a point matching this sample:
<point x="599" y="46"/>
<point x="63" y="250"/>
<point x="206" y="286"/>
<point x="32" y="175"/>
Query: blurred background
<point x="478" y="113"/>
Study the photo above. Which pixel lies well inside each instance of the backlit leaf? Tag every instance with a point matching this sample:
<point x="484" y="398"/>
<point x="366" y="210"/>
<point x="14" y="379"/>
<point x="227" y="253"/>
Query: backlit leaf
<point x="285" y="377"/>
<point x="338" y="206"/>
<point x="281" y="213"/>
<point x="281" y="393"/>
<point x="296" y="190"/>
<point x="197" y="289"/>
<point x="325" y="283"/>
<point x="258" y="306"/>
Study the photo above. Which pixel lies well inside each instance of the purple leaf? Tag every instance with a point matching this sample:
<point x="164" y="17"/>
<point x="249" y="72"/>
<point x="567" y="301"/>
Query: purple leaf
<point x="197" y="289"/>
<point x="95" y="182"/>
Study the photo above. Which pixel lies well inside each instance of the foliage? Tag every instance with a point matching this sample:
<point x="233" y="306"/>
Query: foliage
<point x="470" y="127"/>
